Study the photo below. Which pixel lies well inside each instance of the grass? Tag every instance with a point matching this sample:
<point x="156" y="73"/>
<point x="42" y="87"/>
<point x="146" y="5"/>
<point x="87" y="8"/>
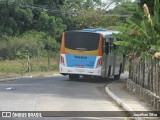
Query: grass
<point x="18" y="67"/>
<point x="39" y="67"/>
<point x="14" y="66"/>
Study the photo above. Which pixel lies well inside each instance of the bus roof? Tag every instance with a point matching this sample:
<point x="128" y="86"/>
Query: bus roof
<point x="101" y="31"/>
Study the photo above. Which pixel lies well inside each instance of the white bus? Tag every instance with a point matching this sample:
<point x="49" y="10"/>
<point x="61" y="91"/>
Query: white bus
<point x="90" y="52"/>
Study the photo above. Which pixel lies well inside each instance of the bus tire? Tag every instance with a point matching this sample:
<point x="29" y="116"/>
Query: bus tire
<point x="116" y="77"/>
<point x="73" y="77"/>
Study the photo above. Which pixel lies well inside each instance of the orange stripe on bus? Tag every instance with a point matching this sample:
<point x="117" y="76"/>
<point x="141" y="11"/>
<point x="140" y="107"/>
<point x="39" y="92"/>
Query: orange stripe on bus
<point x="100" y="46"/>
<point x="78" y="52"/>
<point x="62" y="51"/>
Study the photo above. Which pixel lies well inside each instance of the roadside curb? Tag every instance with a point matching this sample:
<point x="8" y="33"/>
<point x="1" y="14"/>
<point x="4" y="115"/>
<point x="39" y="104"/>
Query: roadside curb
<point x="14" y="78"/>
<point x="22" y="77"/>
<point x="121" y="103"/>
<point x="54" y="75"/>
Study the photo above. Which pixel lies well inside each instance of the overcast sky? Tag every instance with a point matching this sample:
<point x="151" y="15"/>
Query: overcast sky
<point x="113" y="5"/>
<point x="107" y="0"/>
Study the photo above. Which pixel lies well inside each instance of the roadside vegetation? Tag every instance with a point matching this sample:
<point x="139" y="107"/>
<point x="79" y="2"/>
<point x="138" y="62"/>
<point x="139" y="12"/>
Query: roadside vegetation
<point x="19" y="66"/>
<point x="30" y="30"/>
<point x="141" y="36"/>
<point x="140" y="42"/>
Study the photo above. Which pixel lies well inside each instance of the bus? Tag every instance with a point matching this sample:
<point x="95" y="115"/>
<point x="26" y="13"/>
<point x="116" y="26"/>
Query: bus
<point x="90" y="52"/>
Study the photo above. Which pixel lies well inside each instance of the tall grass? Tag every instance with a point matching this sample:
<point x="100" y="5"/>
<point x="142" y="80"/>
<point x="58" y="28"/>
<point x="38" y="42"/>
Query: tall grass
<point x="20" y="66"/>
<point x="14" y="66"/>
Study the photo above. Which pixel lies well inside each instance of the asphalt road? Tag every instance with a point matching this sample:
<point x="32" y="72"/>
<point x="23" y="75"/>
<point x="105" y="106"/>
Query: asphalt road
<point x="57" y="94"/>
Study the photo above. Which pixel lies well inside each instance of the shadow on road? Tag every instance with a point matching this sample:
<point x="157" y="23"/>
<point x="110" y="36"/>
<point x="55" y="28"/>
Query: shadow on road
<point x="93" y="80"/>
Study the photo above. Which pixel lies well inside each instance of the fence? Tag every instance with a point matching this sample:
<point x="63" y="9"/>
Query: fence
<point x="145" y="74"/>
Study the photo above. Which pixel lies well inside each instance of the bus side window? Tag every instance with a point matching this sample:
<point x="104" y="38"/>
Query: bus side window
<point x="111" y="45"/>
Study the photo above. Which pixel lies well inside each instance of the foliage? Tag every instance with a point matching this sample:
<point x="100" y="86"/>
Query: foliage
<point x="142" y="38"/>
<point x="71" y="11"/>
<point x="23" y="26"/>
<point x="124" y="8"/>
<point x="150" y="4"/>
<point x="35" y="26"/>
<point x="95" y="19"/>
<point x="18" y="17"/>
<point x="54" y="4"/>
<point x="50" y="44"/>
<point x="50" y="24"/>
<point x="14" y="20"/>
<point x="81" y="14"/>
<point x="19" y="66"/>
<point x="13" y="47"/>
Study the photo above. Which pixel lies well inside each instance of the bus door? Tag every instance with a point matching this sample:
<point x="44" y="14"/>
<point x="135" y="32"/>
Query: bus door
<point x="104" y="73"/>
<point x="116" y="58"/>
<point x="107" y="64"/>
<point x="111" y="60"/>
<point x="111" y="56"/>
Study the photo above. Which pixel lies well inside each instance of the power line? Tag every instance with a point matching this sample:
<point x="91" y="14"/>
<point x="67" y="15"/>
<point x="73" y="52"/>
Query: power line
<point x="69" y="12"/>
<point x="72" y="12"/>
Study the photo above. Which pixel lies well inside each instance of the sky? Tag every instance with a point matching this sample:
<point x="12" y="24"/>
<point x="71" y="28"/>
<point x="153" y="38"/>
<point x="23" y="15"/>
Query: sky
<point x="107" y="0"/>
<point x="113" y="5"/>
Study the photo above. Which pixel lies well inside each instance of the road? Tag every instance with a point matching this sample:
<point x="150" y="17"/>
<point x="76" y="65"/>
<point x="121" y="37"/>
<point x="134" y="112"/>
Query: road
<point x="57" y="94"/>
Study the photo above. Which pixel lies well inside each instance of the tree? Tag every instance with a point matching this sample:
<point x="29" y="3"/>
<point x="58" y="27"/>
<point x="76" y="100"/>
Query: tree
<point x="124" y="8"/>
<point x="81" y="14"/>
<point x="14" y="19"/>
<point x="95" y="19"/>
<point x="72" y="10"/>
<point x="141" y="38"/>
<point x="50" y="24"/>
<point x="30" y="41"/>
<point x="53" y="27"/>
<point x="111" y="3"/>
<point x="51" y="45"/>
<point x="19" y="16"/>
<point x="53" y="4"/>
<point x="141" y="43"/>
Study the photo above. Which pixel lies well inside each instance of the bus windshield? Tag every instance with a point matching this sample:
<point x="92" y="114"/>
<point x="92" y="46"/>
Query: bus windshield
<point x="83" y="41"/>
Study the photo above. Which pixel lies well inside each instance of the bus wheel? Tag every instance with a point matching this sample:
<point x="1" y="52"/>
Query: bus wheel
<point x="73" y="77"/>
<point x="116" y="77"/>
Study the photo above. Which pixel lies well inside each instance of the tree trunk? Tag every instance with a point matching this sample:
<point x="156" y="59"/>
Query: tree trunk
<point x="49" y="60"/>
<point x="28" y="63"/>
<point x="38" y="58"/>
